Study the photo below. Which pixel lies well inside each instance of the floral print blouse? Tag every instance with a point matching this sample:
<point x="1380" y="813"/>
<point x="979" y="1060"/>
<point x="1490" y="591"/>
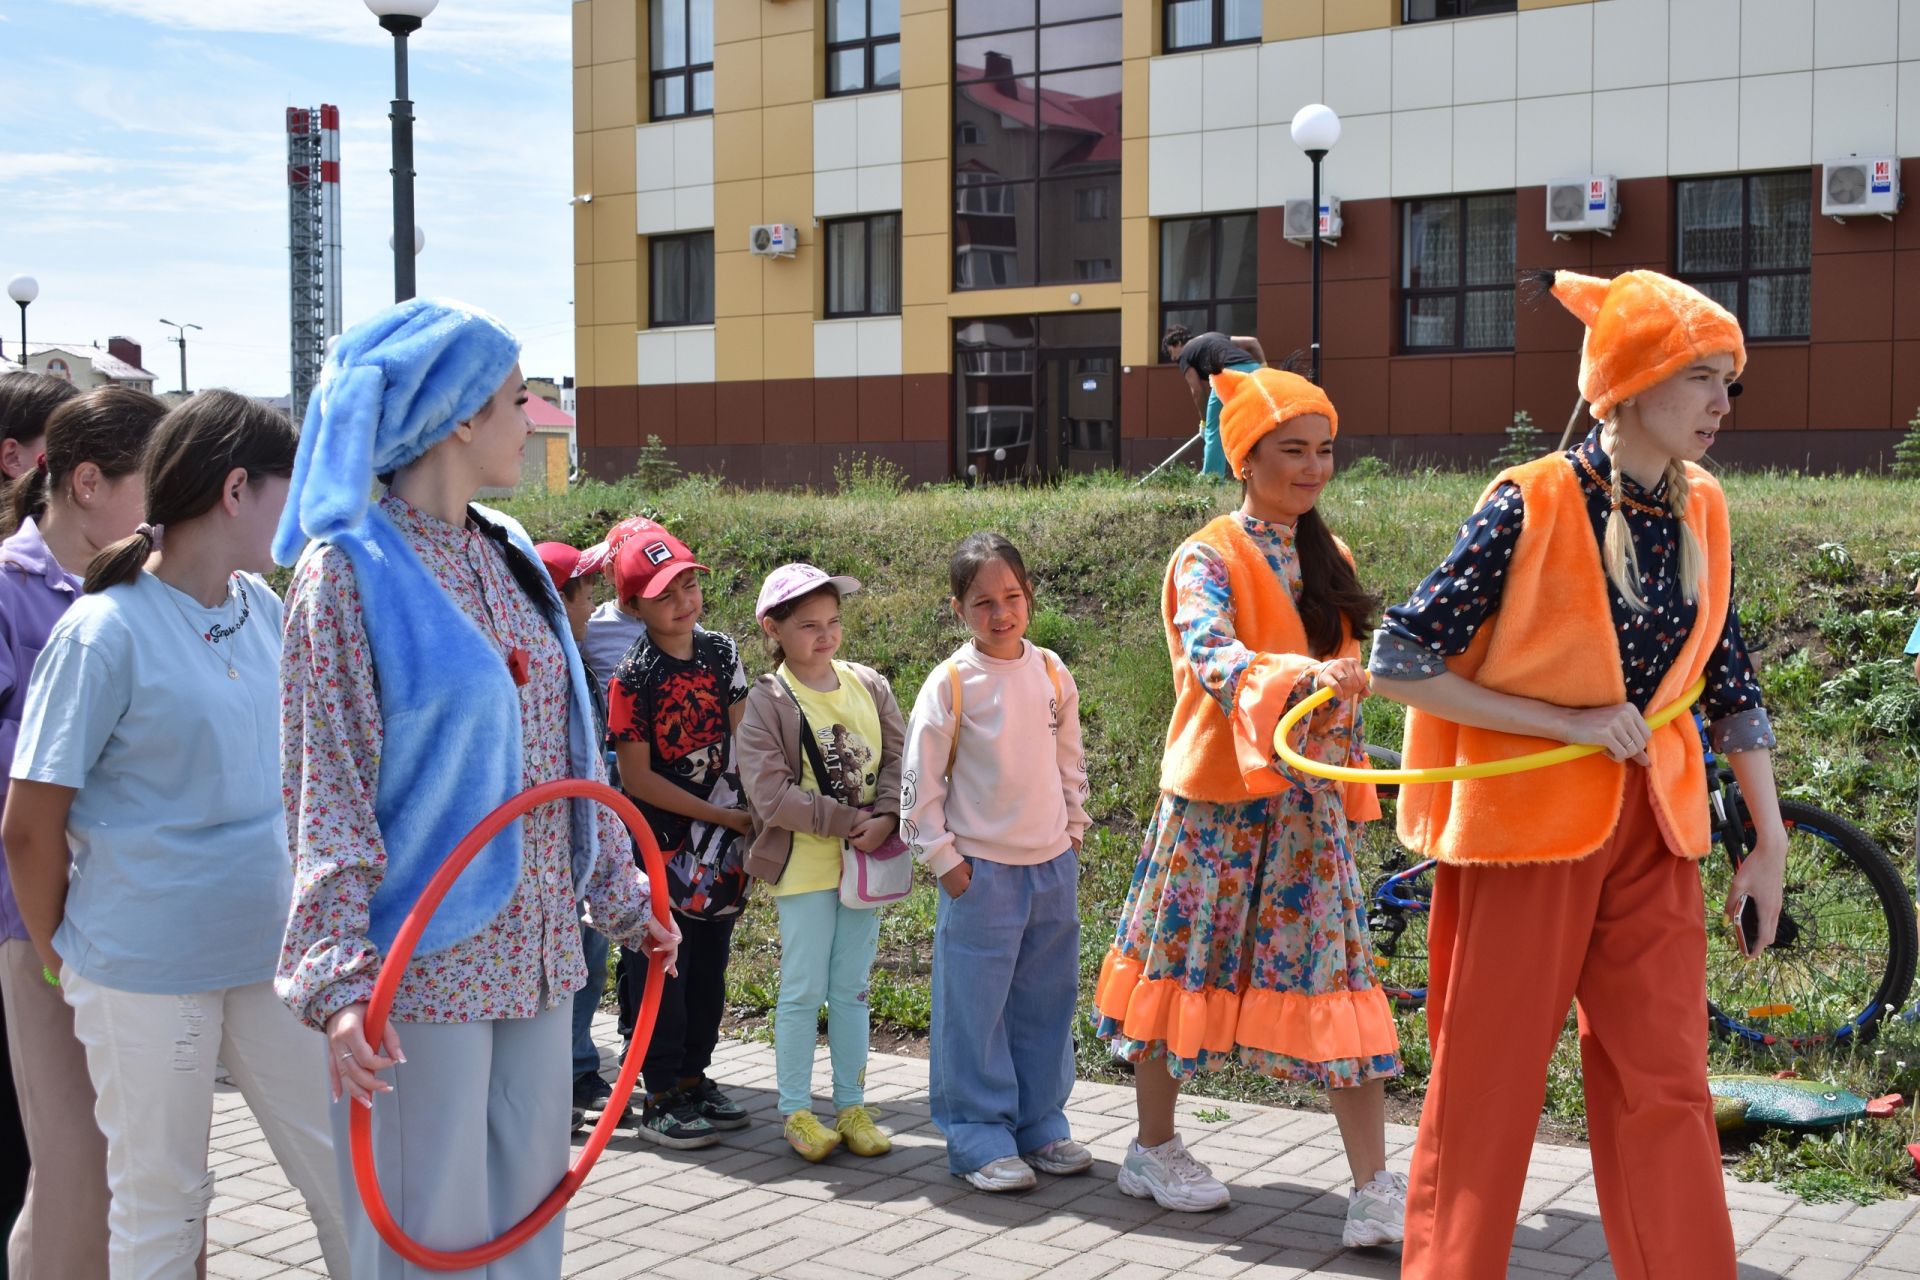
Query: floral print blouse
<point x="1445" y="611"/>
<point x="528" y="959"/>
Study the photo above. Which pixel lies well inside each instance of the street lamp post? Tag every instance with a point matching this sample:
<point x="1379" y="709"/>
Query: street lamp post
<point x="1315" y="130"/>
<point x="402" y="18"/>
<point x="23" y="289"/>
<point x="180" y="338"/>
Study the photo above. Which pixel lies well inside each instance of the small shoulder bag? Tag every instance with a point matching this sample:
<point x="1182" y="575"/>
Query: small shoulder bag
<point x="867" y="880"/>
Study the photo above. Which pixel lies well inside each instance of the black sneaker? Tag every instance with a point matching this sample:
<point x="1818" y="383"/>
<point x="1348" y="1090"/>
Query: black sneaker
<point x="674" y="1120"/>
<point x="716" y="1108"/>
<point x="590" y="1092"/>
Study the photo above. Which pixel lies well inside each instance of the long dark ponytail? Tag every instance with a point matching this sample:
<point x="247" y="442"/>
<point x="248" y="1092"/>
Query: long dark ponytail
<point x="187" y="459"/>
<point x="107" y="426"/>
<point x="1330" y="591"/>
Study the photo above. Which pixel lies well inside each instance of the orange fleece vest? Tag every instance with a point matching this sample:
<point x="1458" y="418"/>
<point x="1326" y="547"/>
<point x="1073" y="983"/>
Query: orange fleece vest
<point x="1544" y="641"/>
<point x="1199" y="762"/>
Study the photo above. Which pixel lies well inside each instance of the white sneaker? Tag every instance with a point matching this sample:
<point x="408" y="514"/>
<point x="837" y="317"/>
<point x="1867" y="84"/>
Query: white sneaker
<point x="1062" y="1158"/>
<point x="1008" y="1173"/>
<point x="1377" y="1213"/>
<point x="1172" y="1177"/>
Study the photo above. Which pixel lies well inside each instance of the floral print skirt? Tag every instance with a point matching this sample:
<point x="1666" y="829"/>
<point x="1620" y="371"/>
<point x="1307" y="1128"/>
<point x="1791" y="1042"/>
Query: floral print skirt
<point x="1244" y="937"/>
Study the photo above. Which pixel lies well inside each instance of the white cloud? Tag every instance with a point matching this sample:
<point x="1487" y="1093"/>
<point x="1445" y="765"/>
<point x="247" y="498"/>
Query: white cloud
<point x="494" y="30"/>
<point x="25" y="166"/>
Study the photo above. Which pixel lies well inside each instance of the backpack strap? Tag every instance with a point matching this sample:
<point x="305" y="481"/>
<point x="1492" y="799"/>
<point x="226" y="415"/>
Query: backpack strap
<point x="953" y="679"/>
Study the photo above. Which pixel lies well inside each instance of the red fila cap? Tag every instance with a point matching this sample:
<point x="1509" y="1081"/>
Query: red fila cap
<point x="648" y="558"/>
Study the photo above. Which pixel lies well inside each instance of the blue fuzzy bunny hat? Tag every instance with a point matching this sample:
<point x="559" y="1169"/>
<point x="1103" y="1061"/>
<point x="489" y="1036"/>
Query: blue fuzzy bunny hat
<point x="393" y="386"/>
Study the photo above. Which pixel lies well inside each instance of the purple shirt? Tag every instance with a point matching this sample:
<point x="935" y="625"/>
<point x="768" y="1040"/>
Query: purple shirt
<point x="34" y="592"/>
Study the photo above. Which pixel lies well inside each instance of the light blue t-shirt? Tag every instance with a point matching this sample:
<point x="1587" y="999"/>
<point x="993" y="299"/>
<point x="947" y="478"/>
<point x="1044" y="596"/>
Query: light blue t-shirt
<point x="181" y="878"/>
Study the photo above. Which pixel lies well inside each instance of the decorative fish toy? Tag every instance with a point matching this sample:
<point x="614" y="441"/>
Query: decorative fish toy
<point x="1741" y="1101"/>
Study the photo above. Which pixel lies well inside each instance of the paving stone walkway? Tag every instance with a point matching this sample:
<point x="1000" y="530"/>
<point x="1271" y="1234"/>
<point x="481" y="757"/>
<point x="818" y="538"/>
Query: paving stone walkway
<point x="750" y="1208"/>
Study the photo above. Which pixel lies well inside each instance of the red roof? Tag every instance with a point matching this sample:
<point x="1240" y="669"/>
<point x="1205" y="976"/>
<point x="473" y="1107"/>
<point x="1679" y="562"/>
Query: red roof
<point x="542" y="414"/>
<point x="1096" y="117"/>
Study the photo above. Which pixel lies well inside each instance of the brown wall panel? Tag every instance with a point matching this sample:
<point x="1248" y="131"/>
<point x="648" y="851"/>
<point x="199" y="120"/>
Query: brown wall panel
<point x="926" y="407"/>
<point x="1369" y="243"/>
<point x="1286" y="318"/>
<point x="1420" y="395"/>
<point x="1906" y="294"/>
<point x="789" y="411"/>
<point x="1535" y="247"/>
<point x="586" y="420"/>
<point x="1133" y="404"/>
<point x="1483" y="394"/>
<point x="739" y="413"/>
<point x="1853" y="296"/>
<point x="1773" y="389"/>
<point x="1850" y="385"/>
<point x="1854" y="235"/>
<point x="618" y="411"/>
<point x="836" y="409"/>
<point x="1280" y="262"/>
<point x="693" y="410"/>
<point x="1358" y="389"/>
<point x="879" y="408"/>
<point x="1644" y="237"/>
<point x="1545" y="385"/>
<point x="1906" y="383"/>
<point x="1356" y="317"/>
<point x="1169" y="403"/>
<point x="656" y="415"/>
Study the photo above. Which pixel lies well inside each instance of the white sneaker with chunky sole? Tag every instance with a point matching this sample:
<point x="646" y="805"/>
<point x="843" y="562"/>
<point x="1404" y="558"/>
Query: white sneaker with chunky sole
<point x="1062" y="1158"/>
<point x="1377" y="1213"/>
<point x="1008" y="1173"/>
<point x="1171" y="1177"/>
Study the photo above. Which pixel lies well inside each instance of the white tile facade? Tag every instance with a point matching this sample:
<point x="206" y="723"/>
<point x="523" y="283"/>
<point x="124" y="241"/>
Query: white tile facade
<point x="856" y="155"/>
<point x="1631" y="88"/>
<point x="676" y="355"/>
<point x="865" y="348"/>
<point x="673" y="176"/>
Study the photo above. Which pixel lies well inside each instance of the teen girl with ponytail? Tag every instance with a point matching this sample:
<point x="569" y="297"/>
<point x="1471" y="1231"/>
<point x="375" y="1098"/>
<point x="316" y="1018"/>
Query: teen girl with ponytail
<point x="1590" y="588"/>
<point x="430" y="676"/>
<point x="27" y="401"/>
<point x="1244" y="936"/>
<point x="85" y="495"/>
<point x="147" y="749"/>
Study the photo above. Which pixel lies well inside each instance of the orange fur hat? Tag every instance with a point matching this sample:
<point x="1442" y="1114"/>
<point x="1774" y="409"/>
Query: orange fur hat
<point x="1642" y="328"/>
<point x="1252" y="404"/>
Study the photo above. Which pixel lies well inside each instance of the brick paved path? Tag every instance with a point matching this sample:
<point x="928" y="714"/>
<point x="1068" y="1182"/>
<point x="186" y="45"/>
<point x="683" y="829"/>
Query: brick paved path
<point x="750" y="1208"/>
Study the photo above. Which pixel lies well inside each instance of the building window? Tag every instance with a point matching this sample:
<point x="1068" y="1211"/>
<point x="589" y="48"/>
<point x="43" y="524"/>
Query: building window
<point x="863" y="45"/>
<point x="681" y="45"/>
<point x="1207" y="24"/>
<point x="1431" y="10"/>
<point x="863" y="266"/>
<point x="1456" y="273"/>
<point x="1746" y="242"/>
<point x="680" y="278"/>
<point x="1209" y="273"/>
<point x="1036" y="108"/>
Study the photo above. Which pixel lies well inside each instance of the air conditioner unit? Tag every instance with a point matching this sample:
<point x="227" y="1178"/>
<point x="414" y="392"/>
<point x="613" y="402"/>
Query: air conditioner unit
<point x="1587" y="203"/>
<point x="775" y="240"/>
<point x="1860" y="184"/>
<point x="1299" y="222"/>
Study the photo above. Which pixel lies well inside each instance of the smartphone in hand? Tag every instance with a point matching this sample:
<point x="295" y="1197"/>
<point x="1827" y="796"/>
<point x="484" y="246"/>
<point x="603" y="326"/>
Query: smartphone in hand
<point x="1746" y="917"/>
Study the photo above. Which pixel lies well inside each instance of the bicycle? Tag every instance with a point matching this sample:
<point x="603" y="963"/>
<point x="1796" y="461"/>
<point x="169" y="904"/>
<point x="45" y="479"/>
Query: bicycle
<point x="1843" y="955"/>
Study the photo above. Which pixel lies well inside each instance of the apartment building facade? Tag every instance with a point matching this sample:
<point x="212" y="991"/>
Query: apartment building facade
<point x="950" y="232"/>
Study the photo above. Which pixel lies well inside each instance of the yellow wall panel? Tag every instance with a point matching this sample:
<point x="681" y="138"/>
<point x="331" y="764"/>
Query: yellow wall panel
<point x="736" y="146"/>
<point x="1046" y="297"/>
<point x="1135" y="238"/>
<point x="1133" y="98"/>
<point x="614" y="100"/>
<point x="1140" y="28"/>
<point x="616" y="30"/>
<point x="582" y="99"/>
<point x="787" y="139"/>
<point x="736" y="206"/>
<point x="925" y="204"/>
<point x="736" y="284"/>
<point x="616" y="355"/>
<point x="582" y="294"/>
<point x="926" y="343"/>
<point x="784" y="17"/>
<point x="1358" y="15"/>
<point x="1136" y="329"/>
<point x="742" y="339"/>
<point x="925" y="131"/>
<point x="786" y="71"/>
<point x="924" y="6"/>
<point x="583" y="233"/>
<point x="737" y="20"/>
<point x="583" y="367"/>
<point x="613" y="162"/>
<point x="736" y="76"/>
<point x="1292" y="19"/>
<point x="616" y="295"/>
<point x="788" y="342"/>
<point x="789" y="199"/>
<point x="926" y="267"/>
<point x="582" y="34"/>
<point x="926" y="49"/>
<point x="583" y="162"/>
<point x="1133" y="177"/>
<point x="614" y="238"/>
<point x="786" y="284"/>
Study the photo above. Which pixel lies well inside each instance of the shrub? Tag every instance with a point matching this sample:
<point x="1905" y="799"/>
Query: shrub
<point x="1524" y="442"/>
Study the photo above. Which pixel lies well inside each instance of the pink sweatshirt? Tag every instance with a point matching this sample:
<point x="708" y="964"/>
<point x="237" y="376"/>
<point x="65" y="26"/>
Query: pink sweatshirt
<point x="1019" y="782"/>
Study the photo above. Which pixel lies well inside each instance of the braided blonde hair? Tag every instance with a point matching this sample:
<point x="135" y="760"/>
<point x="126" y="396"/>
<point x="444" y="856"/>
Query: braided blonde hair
<point x="1623" y="564"/>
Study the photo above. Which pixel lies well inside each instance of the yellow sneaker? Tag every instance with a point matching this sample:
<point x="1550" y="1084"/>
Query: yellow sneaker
<point x="813" y="1140"/>
<point x="864" y="1137"/>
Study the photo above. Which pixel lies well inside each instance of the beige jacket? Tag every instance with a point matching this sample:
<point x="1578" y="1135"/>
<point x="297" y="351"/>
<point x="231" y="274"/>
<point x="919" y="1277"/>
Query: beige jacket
<point x="767" y="747"/>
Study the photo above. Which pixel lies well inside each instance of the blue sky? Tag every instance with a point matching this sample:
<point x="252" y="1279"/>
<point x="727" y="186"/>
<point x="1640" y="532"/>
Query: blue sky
<point x="143" y="158"/>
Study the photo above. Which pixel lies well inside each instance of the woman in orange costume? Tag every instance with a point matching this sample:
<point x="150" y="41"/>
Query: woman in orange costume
<point x="1589" y="588"/>
<point x="1244" y="936"/>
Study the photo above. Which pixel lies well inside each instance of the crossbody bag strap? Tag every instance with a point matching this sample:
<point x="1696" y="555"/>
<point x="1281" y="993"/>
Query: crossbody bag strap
<point x="807" y="744"/>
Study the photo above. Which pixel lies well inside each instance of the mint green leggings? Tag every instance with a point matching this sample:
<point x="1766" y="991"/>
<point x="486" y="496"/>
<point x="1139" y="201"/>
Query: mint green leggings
<point x="826" y="953"/>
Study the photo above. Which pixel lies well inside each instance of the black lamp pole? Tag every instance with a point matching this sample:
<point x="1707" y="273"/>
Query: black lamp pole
<point x="23" y="335"/>
<point x="402" y="25"/>
<point x="1316" y="157"/>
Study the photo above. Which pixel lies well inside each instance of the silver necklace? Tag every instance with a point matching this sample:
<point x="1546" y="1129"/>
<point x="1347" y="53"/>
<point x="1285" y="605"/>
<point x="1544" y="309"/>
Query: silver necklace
<point x="220" y="631"/>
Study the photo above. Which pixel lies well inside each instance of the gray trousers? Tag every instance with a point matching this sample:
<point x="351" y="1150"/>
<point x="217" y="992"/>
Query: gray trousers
<point x="473" y="1136"/>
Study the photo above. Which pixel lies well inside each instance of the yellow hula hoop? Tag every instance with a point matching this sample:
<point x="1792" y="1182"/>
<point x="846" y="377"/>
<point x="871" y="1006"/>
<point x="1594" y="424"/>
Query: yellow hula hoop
<point x="1458" y="772"/>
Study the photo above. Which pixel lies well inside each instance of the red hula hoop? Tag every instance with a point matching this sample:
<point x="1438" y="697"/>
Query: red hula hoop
<point x="394" y="965"/>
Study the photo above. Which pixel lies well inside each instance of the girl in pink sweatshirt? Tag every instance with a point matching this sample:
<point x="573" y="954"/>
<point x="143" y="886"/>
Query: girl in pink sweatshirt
<point x="992" y="800"/>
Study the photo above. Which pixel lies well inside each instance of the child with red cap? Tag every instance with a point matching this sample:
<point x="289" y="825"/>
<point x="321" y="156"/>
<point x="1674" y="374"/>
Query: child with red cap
<point x="1589" y="588"/>
<point x="1244" y="936"/>
<point x="673" y="706"/>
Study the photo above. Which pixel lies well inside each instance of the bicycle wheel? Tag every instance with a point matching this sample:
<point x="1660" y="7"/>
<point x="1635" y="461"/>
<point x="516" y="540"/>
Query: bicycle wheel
<point x="1399" y="888"/>
<point x="1843" y="955"/>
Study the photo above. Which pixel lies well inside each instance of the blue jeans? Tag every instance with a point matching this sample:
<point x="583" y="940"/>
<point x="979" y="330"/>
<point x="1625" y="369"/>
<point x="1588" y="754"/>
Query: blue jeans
<point x="586" y="1054"/>
<point x="1213" y="458"/>
<point x="1006" y="976"/>
<point x="826" y="955"/>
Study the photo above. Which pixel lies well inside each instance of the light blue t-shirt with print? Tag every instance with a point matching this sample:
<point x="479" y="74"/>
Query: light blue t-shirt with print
<point x="181" y="878"/>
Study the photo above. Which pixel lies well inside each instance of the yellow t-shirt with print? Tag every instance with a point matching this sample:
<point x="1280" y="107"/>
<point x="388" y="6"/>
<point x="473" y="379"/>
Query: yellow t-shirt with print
<point x="846" y="727"/>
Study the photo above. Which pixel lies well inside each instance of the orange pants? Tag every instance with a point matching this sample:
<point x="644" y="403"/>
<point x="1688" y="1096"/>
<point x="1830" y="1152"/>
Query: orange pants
<point x="1622" y="930"/>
